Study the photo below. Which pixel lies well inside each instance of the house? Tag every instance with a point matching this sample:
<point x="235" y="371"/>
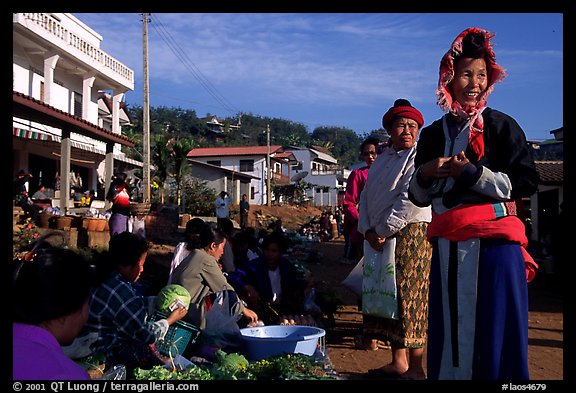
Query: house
<point x="222" y="179"/>
<point x="316" y="166"/>
<point x="67" y="104"/>
<point x="246" y="160"/>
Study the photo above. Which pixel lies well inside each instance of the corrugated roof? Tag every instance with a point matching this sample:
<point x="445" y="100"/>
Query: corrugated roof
<point x="232" y="151"/>
<point x="550" y="172"/>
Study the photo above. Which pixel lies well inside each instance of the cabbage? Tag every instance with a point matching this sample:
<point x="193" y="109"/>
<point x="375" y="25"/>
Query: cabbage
<point x="169" y="294"/>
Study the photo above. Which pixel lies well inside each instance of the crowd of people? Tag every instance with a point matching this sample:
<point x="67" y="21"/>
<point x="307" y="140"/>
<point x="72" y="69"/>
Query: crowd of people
<point x="432" y="217"/>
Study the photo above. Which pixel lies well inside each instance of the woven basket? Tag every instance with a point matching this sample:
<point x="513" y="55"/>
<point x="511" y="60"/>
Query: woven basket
<point x="139" y="208"/>
<point x="63" y="222"/>
<point x="101" y="224"/>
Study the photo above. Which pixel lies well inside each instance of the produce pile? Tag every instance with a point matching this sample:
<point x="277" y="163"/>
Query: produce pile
<point x="234" y="366"/>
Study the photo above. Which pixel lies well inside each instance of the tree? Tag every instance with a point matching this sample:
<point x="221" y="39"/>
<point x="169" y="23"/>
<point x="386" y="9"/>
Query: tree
<point x="179" y="148"/>
<point x="198" y="197"/>
<point x="160" y="158"/>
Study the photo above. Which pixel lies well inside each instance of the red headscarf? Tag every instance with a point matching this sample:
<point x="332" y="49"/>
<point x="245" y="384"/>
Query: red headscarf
<point x="448" y="104"/>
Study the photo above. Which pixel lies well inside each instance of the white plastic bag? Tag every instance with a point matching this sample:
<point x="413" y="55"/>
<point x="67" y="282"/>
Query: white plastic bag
<point x="379" y="295"/>
<point x="354" y="279"/>
<point x="139" y="226"/>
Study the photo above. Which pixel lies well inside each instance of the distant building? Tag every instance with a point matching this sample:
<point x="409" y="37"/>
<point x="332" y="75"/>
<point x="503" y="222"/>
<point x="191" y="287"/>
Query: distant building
<point x="249" y="161"/>
<point x="317" y="166"/>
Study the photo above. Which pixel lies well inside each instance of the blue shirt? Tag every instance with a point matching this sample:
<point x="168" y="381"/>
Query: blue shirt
<point x="118" y="314"/>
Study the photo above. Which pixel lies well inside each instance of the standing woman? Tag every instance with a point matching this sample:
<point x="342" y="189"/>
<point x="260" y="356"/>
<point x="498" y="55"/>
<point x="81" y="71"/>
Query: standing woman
<point x="354" y="186"/>
<point x="388" y="216"/>
<point x="119" y="195"/>
<point x="470" y="167"/>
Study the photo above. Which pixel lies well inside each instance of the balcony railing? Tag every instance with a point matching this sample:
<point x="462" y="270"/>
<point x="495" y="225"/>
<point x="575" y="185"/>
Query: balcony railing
<point x="278" y="178"/>
<point x="332" y="170"/>
<point x="52" y="26"/>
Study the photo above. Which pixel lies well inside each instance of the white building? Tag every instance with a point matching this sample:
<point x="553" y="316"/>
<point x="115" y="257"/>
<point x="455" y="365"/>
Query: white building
<point x="317" y="167"/>
<point x="67" y="102"/>
<point x="246" y="160"/>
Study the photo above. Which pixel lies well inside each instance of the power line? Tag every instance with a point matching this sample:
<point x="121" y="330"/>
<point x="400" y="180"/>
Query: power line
<point x="190" y="66"/>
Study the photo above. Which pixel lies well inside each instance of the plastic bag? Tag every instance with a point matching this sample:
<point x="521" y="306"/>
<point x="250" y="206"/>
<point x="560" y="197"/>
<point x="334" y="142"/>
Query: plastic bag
<point x="379" y="295"/>
<point x="310" y="302"/>
<point x="81" y="346"/>
<point x="354" y="279"/>
<point x="139" y="226"/>
<point x="222" y="328"/>
<point x="116" y="373"/>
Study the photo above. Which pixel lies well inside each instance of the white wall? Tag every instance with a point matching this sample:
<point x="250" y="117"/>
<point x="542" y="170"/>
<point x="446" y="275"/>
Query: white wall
<point x="233" y="163"/>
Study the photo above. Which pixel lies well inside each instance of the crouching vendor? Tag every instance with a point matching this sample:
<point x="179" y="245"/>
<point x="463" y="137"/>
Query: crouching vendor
<point x="119" y="315"/>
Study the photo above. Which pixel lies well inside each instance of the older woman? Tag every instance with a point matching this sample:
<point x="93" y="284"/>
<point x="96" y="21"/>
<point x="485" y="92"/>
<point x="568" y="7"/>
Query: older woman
<point x="471" y="165"/>
<point x="388" y="216"/>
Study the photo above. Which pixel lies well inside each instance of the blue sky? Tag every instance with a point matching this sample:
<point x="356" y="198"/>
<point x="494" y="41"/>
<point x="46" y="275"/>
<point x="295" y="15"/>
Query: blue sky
<point x="332" y="69"/>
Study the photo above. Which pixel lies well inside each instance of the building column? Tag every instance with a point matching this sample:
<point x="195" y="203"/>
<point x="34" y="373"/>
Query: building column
<point x="49" y="66"/>
<point x="237" y="192"/>
<point x="87" y="85"/>
<point x="116" y="100"/>
<point x="65" y="148"/>
<point x="108" y="171"/>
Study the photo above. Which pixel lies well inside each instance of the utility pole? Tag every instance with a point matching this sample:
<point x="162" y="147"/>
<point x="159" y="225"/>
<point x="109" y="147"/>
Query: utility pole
<point x="268" y="171"/>
<point x="146" y="113"/>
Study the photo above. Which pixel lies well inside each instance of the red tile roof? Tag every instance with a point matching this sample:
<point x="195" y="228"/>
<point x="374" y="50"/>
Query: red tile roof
<point x="550" y="172"/>
<point x="232" y="151"/>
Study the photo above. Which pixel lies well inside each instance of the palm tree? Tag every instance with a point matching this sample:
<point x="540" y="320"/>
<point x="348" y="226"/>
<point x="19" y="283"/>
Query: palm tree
<point x="179" y="149"/>
<point x="161" y="161"/>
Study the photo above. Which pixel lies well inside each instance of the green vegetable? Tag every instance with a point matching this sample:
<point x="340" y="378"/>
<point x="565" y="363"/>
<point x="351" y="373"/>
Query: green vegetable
<point x="162" y="373"/>
<point x="169" y="294"/>
<point x="230" y="366"/>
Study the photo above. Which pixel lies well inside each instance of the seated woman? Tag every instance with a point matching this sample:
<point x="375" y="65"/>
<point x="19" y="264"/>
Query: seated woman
<point x="201" y="275"/>
<point x="270" y="284"/>
<point x="118" y="314"/>
<point x="182" y="249"/>
<point x="50" y="292"/>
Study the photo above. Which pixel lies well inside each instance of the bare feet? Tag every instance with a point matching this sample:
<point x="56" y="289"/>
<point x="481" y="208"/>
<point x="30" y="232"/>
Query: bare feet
<point x="394" y="369"/>
<point x="414" y="375"/>
<point x="388" y="371"/>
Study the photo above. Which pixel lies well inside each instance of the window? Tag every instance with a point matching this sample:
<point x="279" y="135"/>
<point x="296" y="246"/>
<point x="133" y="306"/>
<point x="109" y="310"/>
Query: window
<point x="214" y="162"/>
<point x="252" y="192"/>
<point x="42" y="91"/>
<point x="298" y="166"/>
<point x="246" y="165"/>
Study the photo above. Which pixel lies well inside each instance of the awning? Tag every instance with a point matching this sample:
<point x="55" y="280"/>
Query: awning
<point x="42" y="136"/>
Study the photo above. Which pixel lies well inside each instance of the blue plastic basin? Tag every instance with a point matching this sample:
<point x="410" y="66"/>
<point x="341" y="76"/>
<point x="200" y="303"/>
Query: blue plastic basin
<point x="266" y="341"/>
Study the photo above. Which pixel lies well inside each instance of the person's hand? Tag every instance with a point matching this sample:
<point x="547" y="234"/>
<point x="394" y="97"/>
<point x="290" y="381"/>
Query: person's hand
<point x="176" y="315"/>
<point x="436" y="168"/>
<point x="375" y="241"/>
<point x="250" y="315"/>
<point x="457" y="164"/>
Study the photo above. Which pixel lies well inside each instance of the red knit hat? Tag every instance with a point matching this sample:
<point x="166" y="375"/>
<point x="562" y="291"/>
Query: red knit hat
<point x="402" y="108"/>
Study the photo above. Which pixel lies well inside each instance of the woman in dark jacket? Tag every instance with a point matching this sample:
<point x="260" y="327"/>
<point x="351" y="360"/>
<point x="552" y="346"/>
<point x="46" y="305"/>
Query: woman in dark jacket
<point x="471" y="167"/>
<point x="272" y="282"/>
